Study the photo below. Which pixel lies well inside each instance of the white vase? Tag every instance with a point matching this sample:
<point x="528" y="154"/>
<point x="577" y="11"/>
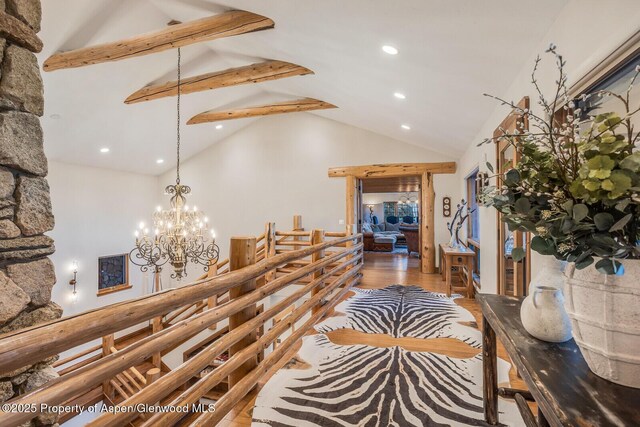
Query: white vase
<point x="605" y="313"/>
<point x="543" y="315"/>
<point x="549" y="272"/>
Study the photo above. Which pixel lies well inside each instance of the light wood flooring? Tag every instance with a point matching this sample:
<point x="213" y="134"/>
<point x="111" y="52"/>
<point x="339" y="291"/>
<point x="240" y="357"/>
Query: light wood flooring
<point x="381" y="270"/>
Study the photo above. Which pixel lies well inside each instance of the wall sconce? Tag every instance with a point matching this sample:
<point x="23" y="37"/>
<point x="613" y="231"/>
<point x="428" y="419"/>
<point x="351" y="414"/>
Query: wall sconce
<point x="74" y="281"/>
<point x="370" y="212"/>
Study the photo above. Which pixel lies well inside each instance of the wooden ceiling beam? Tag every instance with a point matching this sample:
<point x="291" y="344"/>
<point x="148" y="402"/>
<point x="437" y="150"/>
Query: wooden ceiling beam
<point x="298" y="105"/>
<point x="392" y="169"/>
<point x="254" y="73"/>
<point x="214" y="27"/>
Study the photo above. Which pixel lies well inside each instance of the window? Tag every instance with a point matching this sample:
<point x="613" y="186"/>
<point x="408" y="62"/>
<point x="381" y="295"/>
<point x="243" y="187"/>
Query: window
<point x="389" y="209"/>
<point x="473" y="222"/>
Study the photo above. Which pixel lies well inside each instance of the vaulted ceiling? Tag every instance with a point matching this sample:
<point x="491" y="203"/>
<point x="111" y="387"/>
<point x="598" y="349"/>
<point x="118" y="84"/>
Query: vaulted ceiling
<point x="449" y="54"/>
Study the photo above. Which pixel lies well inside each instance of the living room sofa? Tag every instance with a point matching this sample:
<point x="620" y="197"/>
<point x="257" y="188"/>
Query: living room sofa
<point x="382" y="237"/>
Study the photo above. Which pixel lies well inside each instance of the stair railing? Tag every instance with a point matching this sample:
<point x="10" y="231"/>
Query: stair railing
<point x="326" y="269"/>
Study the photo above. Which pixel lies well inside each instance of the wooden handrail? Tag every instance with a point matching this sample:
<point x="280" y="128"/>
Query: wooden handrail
<point x="27" y="346"/>
<point x="77" y="355"/>
<point x="202" y="359"/>
<point x="60" y="389"/>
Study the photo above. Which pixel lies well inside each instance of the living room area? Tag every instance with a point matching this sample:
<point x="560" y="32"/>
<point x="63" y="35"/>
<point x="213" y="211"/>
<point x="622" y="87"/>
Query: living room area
<point x="390" y="215"/>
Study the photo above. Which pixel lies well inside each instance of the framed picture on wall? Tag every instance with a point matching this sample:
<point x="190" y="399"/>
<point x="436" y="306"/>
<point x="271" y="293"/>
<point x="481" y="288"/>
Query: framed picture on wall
<point x="113" y="274"/>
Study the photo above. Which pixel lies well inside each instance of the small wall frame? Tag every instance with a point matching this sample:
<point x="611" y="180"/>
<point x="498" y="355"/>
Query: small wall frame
<point x="113" y="274"/>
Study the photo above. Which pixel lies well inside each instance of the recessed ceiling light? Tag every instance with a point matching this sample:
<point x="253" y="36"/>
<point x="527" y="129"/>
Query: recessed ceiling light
<point x="160" y="161"/>
<point x="55" y="116"/>
<point x="390" y="49"/>
<point x="406" y="127"/>
<point x="104" y="150"/>
<point x="218" y="126"/>
<point x="399" y="95"/>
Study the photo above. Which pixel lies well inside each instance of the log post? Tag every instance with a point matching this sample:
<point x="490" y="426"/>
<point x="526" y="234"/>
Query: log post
<point x="297" y="223"/>
<point x="156" y="326"/>
<point x="212" y="301"/>
<point x="351" y="220"/>
<point x="270" y="246"/>
<point x="152" y="376"/>
<point x="242" y="253"/>
<point x="317" y="237"/>
<point x="427" y="225"/>
<point x="108" y="390"/>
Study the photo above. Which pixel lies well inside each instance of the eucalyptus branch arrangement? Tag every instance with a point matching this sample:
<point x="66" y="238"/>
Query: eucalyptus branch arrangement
<point x="576" y="187"/>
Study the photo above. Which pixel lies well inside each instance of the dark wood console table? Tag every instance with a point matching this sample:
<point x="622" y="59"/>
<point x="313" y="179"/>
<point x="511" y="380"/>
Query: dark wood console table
<point x="558" y="378"/>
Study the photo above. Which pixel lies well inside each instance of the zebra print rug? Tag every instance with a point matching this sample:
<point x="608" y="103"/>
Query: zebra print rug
<point x="360" y="385"/>
<point x="404" y="311"/>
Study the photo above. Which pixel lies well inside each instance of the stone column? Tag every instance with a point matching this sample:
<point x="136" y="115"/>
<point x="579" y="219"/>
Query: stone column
<point x="26" y="273"/>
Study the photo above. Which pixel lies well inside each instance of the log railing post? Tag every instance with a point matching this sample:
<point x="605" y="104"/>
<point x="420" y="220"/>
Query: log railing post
<point x="156" y="326"/>
<point x="270" y="247"/>
<point x="317" y="237"/>
<point x="108" y="390"/>
<point x="151" y="376"/>
<point x="212" y="301"/>
<point x="242" y="253"/>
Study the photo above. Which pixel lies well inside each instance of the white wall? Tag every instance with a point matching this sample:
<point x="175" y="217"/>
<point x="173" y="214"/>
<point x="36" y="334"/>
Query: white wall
<point x="96" y="212"/>
<point x="585" y="31"/>
<point x="277" y="167"/>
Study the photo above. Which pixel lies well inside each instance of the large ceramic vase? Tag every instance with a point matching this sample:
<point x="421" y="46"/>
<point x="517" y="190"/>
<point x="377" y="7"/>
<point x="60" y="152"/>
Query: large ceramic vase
<point x="543" y="316"/>
<point x="605" y="314"/>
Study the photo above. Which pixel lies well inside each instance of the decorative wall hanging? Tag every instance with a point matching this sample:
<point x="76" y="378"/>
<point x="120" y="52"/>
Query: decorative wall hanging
<point x="113" y="274"/>
<point x="446" y="206"/>
<point x="482" y="182"/>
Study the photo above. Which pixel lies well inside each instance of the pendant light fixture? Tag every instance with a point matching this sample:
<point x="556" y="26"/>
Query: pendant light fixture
<point x="180" y="233"/>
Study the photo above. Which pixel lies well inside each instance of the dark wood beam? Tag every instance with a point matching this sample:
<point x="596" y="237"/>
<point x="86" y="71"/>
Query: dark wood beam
<point x="298" y="105"/>
<point x="213" y="27"/>
<point x="254" y="73"/>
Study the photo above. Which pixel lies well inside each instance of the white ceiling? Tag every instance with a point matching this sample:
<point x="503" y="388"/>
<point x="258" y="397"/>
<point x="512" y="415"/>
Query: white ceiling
<point x="450" y="52"/>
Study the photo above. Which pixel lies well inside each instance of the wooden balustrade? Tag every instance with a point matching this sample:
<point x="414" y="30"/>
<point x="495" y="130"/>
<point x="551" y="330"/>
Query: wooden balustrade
<point x="326" y="264"/>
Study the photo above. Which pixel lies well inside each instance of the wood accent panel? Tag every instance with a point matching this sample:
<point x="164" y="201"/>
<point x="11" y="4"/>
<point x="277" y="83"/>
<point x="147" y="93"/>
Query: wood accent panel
<point x="392" y="169"/>
<point x="427" y="224"/>
<point x="210" y="28"/>
<point x="295" y="106"/>
<point x="402" y="184"/>
<point x="242" y="253"/>
<point x="14" y="30"/>
<point x="254" y="73"/>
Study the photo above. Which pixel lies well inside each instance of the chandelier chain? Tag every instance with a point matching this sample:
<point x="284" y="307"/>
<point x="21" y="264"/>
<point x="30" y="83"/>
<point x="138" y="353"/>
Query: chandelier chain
<point x="178" y="123"/>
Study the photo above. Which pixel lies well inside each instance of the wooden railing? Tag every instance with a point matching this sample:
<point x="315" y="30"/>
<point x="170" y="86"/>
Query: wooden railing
<point x="322" y="266"/>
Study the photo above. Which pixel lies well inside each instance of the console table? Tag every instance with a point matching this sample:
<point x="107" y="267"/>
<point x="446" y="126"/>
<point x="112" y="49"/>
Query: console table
<point x="460" y="257"/>
<point x="558" y="378"/>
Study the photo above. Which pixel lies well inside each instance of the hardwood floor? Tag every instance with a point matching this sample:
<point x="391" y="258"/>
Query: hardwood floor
<point x="381" y="270"/>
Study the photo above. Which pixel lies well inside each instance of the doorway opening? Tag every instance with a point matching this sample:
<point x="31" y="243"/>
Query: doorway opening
<point x="389" y="219"/>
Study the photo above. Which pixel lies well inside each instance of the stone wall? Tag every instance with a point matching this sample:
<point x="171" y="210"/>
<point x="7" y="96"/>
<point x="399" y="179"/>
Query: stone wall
<point x="26" y="274"/>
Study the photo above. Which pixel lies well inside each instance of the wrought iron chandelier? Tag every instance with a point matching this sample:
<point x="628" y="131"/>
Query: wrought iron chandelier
<point x="180" y="234"/>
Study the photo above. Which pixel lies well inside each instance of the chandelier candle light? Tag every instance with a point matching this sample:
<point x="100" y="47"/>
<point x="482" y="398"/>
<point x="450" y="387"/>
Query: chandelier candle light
<point x="180" y="234"/>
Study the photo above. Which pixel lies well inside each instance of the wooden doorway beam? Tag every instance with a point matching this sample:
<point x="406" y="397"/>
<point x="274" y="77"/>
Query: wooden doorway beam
<point x="214" y="27"/>
<point x="427" y="225"/>
<point x="298" y="105"/>
<point x="254" y="73"/>
<point x="392" y="169"/>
